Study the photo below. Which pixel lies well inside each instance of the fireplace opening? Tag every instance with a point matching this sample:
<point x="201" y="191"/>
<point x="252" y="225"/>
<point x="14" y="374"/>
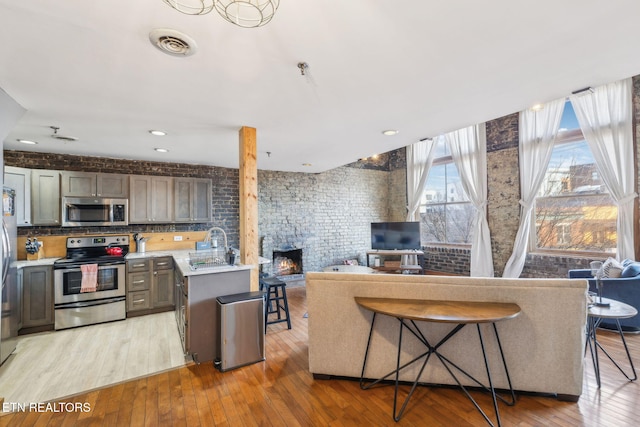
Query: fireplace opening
<point x="287" y="262"/>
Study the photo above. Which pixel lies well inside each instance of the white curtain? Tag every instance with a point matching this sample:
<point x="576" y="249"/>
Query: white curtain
<point x="538" y="130"/>
<point x="606" y="122"/>
<point x="419" y="160"/>
<point x="469" y="152"/>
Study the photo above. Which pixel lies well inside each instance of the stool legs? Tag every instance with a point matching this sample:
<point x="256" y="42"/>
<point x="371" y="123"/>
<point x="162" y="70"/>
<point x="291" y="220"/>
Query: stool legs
<point x="276" y="304"/>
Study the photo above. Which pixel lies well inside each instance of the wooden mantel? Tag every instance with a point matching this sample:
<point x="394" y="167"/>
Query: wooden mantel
<point x="249" y="202"/>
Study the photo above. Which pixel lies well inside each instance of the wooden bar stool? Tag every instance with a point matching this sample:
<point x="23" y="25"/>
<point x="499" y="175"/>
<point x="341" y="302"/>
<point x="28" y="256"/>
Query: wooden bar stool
<point x="276" y="302"/>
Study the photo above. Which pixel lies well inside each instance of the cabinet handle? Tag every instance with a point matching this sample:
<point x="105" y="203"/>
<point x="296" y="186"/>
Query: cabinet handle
<point x="136" y="301"/>
<point x="138" y="265"/>
<point x="139" y="281"/>
<point x="163" y="263"/>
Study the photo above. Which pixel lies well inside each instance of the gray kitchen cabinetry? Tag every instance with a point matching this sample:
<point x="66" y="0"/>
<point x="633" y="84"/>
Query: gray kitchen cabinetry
<point x="86" y="184"/>
<point x="37" y="296"/>
<point x="150" y="199"/>
<point x="162" y="284"/>
<point x="150" y="283"/>
<point x="20" y="180"/>
<point x="192" y="200"/>
<point x="45" y="197"/>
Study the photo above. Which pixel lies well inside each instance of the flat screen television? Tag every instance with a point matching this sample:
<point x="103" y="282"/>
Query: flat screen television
<point x="395" y="235"/>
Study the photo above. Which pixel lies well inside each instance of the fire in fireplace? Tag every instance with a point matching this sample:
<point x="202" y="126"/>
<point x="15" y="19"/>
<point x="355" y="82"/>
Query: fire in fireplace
<point x="287" y="262"/>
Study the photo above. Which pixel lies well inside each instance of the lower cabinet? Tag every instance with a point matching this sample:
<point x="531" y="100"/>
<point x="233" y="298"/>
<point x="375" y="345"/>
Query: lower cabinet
<point x="149" y="285"/>
<point x="37" y="297"/>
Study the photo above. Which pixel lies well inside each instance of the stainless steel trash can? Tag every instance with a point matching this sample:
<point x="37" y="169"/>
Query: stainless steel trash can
<point x="241" y="320"/>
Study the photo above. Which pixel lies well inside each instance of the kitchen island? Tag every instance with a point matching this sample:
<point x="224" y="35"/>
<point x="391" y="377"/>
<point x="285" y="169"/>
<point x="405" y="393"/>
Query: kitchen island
<point x="196" y="305"/>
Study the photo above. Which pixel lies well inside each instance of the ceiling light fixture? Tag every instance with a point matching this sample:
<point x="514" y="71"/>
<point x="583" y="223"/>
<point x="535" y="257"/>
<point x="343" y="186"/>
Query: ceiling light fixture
<point x="243" y="13"/>
<point x="306" y="164"/>
<point x="537" y="107"/>
<point x="161" y="150"/>
<point x="390" y="132"/>
<point x="27" y="141"/>
<point x="157" y="132"/>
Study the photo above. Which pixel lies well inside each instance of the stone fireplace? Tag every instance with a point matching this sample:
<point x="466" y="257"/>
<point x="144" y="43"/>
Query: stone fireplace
<point x="287" y="263"/>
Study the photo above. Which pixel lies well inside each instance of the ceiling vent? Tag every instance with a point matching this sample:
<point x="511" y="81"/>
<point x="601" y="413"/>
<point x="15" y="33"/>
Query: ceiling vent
<point x="172" y="42"/>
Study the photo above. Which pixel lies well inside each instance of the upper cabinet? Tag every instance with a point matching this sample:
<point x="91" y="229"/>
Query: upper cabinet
<point x="192" y="200"/>
<point x="84" y="184"/>
<point x="45" y="197"/>
<point x="151" y="199"/>
<point x="20" y="180"/>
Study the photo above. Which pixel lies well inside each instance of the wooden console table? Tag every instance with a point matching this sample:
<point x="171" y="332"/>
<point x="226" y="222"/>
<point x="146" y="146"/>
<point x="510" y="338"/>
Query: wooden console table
<point x="460" y="313"/>
<point x="410" y="267"/>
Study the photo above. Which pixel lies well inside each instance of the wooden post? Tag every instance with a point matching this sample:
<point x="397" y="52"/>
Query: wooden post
<point x="249" y="202"/>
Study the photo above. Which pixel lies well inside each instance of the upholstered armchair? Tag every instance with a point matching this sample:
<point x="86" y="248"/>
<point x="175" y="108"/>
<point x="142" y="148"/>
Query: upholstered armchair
<point x="623" y="289"/>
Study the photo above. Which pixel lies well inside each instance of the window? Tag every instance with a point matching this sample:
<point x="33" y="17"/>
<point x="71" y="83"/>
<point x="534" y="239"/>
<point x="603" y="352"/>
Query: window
<point x="574" y="211"/>
<point x="446" y="214"/>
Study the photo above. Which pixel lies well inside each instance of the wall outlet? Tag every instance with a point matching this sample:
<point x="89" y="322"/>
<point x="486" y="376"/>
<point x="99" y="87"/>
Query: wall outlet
<point x="177" y="238"/>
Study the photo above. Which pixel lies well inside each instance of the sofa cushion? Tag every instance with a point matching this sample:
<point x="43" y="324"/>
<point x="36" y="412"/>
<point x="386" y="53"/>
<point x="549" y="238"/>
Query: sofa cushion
<point x="631" y="270"/>
<point x="611" y="269"/>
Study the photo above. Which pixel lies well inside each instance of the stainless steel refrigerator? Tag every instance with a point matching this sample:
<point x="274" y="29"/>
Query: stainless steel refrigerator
<point x="10" y="319"/>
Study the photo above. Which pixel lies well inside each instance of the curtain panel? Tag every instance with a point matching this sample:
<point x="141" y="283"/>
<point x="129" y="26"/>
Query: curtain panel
<point x="605" y="117"/>
<point x="469" y="152"/>
<point x="538" y="130"/>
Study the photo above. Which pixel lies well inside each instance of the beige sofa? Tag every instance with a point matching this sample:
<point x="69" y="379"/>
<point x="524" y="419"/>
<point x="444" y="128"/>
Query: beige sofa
<point x="543" y="346"/>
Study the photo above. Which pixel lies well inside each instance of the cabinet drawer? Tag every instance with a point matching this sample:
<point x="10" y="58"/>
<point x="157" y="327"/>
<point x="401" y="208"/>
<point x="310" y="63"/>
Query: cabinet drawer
<point x="138" y="281"/>
<point x="138" y="300"/>
<point x="165" y="263"/>
<point x="136" y="265"/>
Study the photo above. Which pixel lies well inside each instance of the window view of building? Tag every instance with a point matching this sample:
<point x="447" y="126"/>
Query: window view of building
<point x="574" y="211"/>
<point x="446" y="215"/>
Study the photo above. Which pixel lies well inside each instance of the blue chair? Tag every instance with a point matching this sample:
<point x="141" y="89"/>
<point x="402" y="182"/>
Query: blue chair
<point x="623" y="289"/>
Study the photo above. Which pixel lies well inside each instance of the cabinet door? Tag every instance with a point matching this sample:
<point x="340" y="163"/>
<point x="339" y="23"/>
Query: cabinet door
<point x="163" y="284"/>
<point x="37" y="296"/>
<point x="202" y="200"/>
<point x="20" y="180"/>
<point x="139" y="199"/>
<point x="79" y="184"/>
<point x="45" y="197"/>
<point x="183" y="199"/>
<point x="162" y="198"/>
<point x="113" y="185"/>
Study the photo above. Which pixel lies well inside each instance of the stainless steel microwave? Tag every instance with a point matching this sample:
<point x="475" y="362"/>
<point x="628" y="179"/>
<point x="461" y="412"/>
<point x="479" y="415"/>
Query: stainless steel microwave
<point x="94" y="211"/>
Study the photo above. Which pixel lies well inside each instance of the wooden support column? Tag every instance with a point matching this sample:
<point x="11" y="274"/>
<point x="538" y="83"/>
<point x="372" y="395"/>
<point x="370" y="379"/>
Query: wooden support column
<point x="249" y="202"/>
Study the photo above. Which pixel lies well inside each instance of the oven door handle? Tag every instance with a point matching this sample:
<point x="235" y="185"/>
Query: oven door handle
<point x="70" y="268"/>
<point x="80" y="304"/>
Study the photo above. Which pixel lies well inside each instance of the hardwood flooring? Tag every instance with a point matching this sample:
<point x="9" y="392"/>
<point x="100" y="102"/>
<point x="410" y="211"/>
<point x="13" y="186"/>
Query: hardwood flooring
<point x="281" y="392"/>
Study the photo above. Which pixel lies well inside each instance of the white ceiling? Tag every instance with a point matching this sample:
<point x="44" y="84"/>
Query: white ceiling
<point x="422" y="67"/>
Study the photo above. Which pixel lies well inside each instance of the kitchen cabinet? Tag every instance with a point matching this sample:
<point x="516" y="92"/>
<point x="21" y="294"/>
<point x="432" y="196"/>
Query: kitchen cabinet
<point x="45" y="197"/>
<point x="20" y="180"/>
<point x="150" y="199"/>
<point x="192" y="200"/>
<point x="150" y="283"/>
<point x="85" y="184"/>
<point x="163" y="282"/>
<point x="37" y="296"/>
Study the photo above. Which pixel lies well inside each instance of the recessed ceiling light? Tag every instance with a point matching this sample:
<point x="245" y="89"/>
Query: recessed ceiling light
<point x="157" y="132"/>
<point x="389" y="132"/>
<point x="306" y="164"/>
<point x="161" y="150"/>
<point x="537" y="107"/>
<point x="26" y="141"/>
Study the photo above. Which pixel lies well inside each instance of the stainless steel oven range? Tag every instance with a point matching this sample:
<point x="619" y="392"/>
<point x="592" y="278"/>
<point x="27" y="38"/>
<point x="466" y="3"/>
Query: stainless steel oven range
<point x="89" y="283"/>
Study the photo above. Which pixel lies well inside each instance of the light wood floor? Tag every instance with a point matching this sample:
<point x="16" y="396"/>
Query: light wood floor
<point x="52" y="365"/>
<point x="281" y="392"/>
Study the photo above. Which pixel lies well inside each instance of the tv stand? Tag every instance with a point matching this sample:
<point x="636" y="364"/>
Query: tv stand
<point x="396" y="266"/>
